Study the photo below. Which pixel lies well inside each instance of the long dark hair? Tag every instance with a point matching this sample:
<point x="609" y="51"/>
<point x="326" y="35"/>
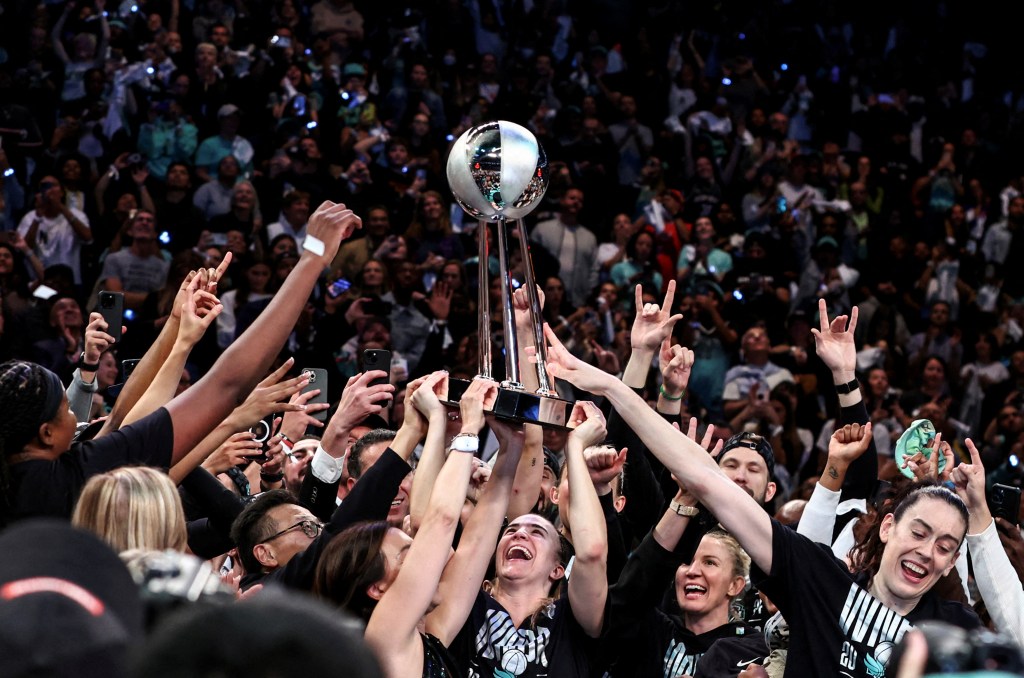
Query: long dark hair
<point x="352" y="563"/>
<point x="866" y="555"/>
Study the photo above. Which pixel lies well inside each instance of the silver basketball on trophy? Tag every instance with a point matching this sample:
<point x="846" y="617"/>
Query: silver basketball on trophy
<point x="497" y="170"/>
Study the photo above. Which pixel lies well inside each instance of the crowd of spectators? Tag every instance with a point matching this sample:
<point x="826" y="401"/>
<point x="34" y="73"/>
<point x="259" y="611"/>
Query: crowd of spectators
<point x="734" y="164"/>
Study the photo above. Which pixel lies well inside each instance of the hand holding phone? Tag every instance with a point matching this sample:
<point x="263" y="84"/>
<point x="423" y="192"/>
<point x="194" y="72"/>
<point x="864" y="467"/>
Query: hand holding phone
<point x="377" y="359"/>
<point x="317" y="381"/>
<point x="111" y="307"/>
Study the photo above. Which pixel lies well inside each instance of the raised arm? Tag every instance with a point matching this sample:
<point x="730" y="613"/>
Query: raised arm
<point x="422" y="403"/>
<point x="996" y="578"/>
<point x="393" y="628"/>
<point x="588" y="585"/>
<point x="465" y="572"/>
<point x="198" y="410"/>
<point x="200" y="310"/>
<point x="694" y="467"/>
<point x="845" y="447"/>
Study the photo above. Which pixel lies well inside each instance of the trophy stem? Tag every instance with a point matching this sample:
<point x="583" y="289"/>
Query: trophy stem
<point x="483" y="303"/>
<point x="507" y="312"/>
<point x="536" y="318"/>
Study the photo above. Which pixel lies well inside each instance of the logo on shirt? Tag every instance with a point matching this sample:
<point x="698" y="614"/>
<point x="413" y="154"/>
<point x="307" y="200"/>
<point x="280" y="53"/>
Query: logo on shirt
<point x="871" y="632"/>
<point x="513" y="652"/>
<point x="678" y="662"/>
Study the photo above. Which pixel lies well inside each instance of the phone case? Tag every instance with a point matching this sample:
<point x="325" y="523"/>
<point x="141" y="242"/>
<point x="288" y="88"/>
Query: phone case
<point x="377" y="359"/>
<point x="111" y="307"/>
<point x="317" y="380"/>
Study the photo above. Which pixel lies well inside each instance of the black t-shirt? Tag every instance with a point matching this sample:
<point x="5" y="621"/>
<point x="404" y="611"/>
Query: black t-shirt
<point x="51" y="488"/>
<point x="836" y="627"/>
<point x="555" y="645"/>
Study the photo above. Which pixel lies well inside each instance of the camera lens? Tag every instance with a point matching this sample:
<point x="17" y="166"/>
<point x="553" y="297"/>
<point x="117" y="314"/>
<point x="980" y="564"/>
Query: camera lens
<point x="310" y="375"/>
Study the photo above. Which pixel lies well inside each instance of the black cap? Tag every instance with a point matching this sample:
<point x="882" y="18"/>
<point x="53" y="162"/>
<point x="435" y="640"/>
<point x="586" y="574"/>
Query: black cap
<point x="551" y="461"/>
<point x="754" y="442"/>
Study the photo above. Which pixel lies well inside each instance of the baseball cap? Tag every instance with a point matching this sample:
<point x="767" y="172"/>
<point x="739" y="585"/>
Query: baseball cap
<point x="354" y="69"/>
<point x="68" y="605"/>
<point x="226" y="110"/>
<point x="551" y="461"/>
<point x="754" y="442"/>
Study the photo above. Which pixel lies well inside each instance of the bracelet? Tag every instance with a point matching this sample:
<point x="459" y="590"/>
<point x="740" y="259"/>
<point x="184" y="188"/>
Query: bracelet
<point x="849" y="387"/>
<point x="683" y="510"/>
<point x="666" y="396"/>
<point x="314" y="245"/>
<point x="271" y="477"/>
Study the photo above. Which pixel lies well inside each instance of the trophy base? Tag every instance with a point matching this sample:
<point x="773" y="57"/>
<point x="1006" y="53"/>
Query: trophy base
<point x="453" y="390"/>
<point x="524" y="407"/>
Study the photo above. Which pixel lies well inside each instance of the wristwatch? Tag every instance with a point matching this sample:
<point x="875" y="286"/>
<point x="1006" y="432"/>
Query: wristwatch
<point x="683" y="510"/>
<point x="84" y="366"/>
<point x="849" y="387"/>
<point x="465" y="442"/>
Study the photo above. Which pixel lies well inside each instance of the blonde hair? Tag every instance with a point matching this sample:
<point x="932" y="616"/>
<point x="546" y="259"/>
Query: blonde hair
<point x="133" y="507"/>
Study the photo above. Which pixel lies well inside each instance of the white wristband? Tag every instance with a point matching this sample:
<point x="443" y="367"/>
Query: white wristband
<point x="465" y="442"/>
<point x="326" y="468"/>
<point x="314" y="245"/>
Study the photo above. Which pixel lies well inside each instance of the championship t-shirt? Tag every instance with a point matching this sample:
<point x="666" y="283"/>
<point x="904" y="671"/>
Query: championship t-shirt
<point x="550" y="643"/>
<point x="836" y="627"/>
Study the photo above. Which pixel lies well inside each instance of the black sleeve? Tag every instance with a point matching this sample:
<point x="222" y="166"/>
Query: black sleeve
<point x="645" y="499"/>
<point x="862" y="475"/>
<point x="433" y="353"/>
<point x="617" y="549"/>
<point x="370" y="499"/>
<point x="319" y="497"/>
<point x="210" y="535"/>
<point x="149" y="442"/>
<point x="639" y="588"/>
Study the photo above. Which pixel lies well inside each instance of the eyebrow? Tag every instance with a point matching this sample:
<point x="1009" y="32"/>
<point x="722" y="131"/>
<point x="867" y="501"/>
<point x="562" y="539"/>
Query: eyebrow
<point x="932" y="529"/>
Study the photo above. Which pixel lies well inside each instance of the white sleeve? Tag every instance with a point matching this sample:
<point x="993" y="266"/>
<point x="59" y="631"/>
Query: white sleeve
<point x="998" y="583"/>
<point x="326" y="468"/>
<point x="819" y="519"/>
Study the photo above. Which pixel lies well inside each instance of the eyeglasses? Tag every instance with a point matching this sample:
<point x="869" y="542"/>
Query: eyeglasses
<point x="311" y="528"/>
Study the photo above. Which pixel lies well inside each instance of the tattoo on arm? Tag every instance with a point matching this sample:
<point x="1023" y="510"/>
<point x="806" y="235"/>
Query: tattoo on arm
<point x="832" y="473"/>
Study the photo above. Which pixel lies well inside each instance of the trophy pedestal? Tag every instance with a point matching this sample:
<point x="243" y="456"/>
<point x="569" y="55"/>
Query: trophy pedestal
<point x="453" y="390"/>
<point x="524" y="407"/>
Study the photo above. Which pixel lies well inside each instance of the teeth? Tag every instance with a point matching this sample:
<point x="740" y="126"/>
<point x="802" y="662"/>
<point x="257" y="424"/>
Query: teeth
<point x="913" y="567"/>
<point x="396" y="503"/>
<point x="693" y="588"/>
<point x="519" y="549"/>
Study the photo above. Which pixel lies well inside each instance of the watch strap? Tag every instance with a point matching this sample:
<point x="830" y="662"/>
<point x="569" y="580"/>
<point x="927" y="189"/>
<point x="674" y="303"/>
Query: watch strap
<point x="84" y="366"/>
<point x="849" y="387"/>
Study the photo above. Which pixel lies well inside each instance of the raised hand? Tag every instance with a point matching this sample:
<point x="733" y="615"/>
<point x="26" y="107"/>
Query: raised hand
<point x="521" y="306"/>
<point x="197" y="313"/>
<point x="425" y="397"/>
<point x="479" y="396"/>
<point x="969" y="483"/>
<point x="676" y="363"/>
<point x="927" y="468"/>
<point x="96" y="338"/>
<point x="330" y="224"/>
<point x="295" y="423"/>
<point x="834" y="342"/>
<point x="564" y="365"/>
<point x="272" y="395"/>
<point x="236" y="450"/>
<point x="706" y="441"/>
<point x="653" y="323"/>
<point x="848" y="443"/>
<point x="606" y="360"/>
<point x="440" y="300"/>
<point x="587" y="423"/>
<point x="604" y="464"/>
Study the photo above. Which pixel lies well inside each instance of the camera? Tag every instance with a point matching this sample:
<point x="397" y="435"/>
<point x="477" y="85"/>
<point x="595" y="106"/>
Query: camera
<point x="261" y="431"/>
<point x="952" y="649"/>
<point x="311" y="375"/>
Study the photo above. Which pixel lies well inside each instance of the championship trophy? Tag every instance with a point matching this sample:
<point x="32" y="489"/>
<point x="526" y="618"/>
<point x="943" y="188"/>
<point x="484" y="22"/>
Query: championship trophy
<point x="498" y="173"/>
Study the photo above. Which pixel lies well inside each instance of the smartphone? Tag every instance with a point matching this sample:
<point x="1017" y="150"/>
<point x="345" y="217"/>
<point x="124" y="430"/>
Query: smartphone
<point x="421" y="174"/>
<point x="111" y="307"/>
<point x="127" y="367"/>
<point x="300" y="104"/>
<point x="317" y="380"/>
<point x="1004" y="502"/>
<point x="218" y="240"/>
<point x="261" y="432"/>
<point x="377" y="359"/>
<point x="338" y="287"/>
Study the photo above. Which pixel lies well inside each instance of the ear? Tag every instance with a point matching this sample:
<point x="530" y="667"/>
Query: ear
<point x="885" y="529"/>
<point x="553" y="494"/>
<point x="619" y="503"/>
<point x="769" y="491"/>
<point x="264" y="555"/>
<point x="737" y="586"/>
<point x="376" y="590"/>
<point x="351" y="482"/>
<point x="557" y="573"/>
<point x="952" y="563"/>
